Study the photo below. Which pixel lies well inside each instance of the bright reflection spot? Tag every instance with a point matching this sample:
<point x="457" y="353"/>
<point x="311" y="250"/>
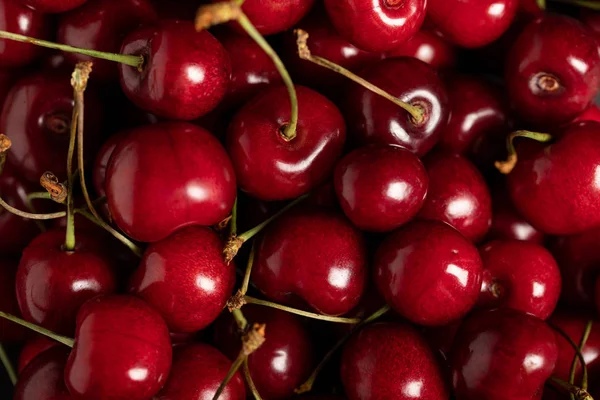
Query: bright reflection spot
<point x="339" y="277"/>
<point x="460" y="208"/>
<point x="138" y="374"/>
<point x="496" y="9"/>
<point x="305" y="161"/>
<point x="376" y="5"/>
<point x="398" y="191"/>
<point x="538" y="289"/>
<point x="413" y="389"/>
<point x="23" y="23"/>
<point x="85" y="284"/>
<point x="523" y="231"/>
<point x="197" y="192"/>
<point x="349" y="51"/>
<point x="578" y="64"/>
<point x="280" y="361"/>
<point x="195" y="74"/>
<point x="254" y="79"/>
<point x="461" y="275"/>
<point x="532" y="362"/>
<point x="597" y="177"/>
<point x="425" y="52"/>
<point x="470" y="120"/>
<point x="205" y="283"/>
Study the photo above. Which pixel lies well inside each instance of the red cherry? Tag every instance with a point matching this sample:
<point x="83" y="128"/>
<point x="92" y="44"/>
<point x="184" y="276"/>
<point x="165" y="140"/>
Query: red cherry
<point x="592" y="113"/>
<point x="472" y="23"/>
<point x="380" y="187"/>
<point x="102" y="160"/>
<point x="7" y="79"/>
<point x="391" y="361"/>
<point x="530" y="7"/>
<point x="553" y="70"/>
<point x="379" y="25"/>
<point x="33" y="348"/>
<point x="9" y="331"/>
<point x="53" y="6"/>
<point x="428" y="47"/>
<point x="267" y="164"/>
<point x="122" y="350"/>
<point x="313" y="255"/>
<point x="428" y="272"/>
<point x="182" y="168"/>
<point x="44" y="377"/>
<point x="180" y="79"/>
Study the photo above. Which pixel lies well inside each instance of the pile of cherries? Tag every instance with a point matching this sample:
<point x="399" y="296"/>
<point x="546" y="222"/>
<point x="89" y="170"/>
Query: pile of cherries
<point x="299" y="199"/>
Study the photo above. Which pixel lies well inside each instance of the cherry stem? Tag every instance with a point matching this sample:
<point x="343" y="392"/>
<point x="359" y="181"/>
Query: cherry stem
<point x="240" y="320"/>
<point x="308" y="384"/>
<point x="250" y="382"/>
<point x="31" y="208"/>
<point x="506" y="167"/>
<point x="56" y="190"/>
<point x="38" y="196"/>
<point x="119" y="236"/>
<point x="36" y="328"/>
<point x="579" y="357"/>
<point x="28" y="215"/>
<point x="592" y="5"/>
<point x="133" y="61"/>
<point x="233" y="221"/>
<point x="70" y="232"/>
<point x="10" y="370"/>
<point x="574" y="391"/>
<point x="234" y="368"/>
<point x="541" y="4"/>
<point x="305" y="54"/>
<point x="246" y="281"/>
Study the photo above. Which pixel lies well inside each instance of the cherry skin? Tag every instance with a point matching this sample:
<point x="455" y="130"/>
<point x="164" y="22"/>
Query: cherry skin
<point x="374" y="119"/>
<point x="553" y="70"/>
<point x="53" y="6"/>
<point x="592" y="113"/>
<point x="379" y="25"/>
<point x="505" y="342"/>
<point x="391" y="361"/>
<point x="428" y="272"/>
<point x="197" y="372"/>
<point x="181" y="167"/>
<point x="102" y="160"/>
<point x="472" y="23"/>
<point x="457" y="195"/>
<point x="180" y="79"/>
<point x="556" y="188"/>
<point x="312" y="255"/>
<point x="7" y="79"/>
<point x="428" y="47"/>
<point x="122" y="350"/>
<point x="271" y="167"/>
<point x="33" y="348"/>
<point x="44" y="377"/>
<point x="380" y="187"/>
<point x="9" y="331"/>
<point x="102" y="25"/>
<point x="283" y="362"/>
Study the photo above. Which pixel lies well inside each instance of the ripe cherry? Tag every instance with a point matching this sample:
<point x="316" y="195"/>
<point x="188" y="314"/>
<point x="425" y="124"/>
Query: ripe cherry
<point x="53" y="6"/>
<point x="43" y="378"/>
<point x="9" y="331"/>
<point x="592" y="113"/>
<point x="102" y="160"/>
<point x="429" y="47"/>
<point x="33" y="348"/>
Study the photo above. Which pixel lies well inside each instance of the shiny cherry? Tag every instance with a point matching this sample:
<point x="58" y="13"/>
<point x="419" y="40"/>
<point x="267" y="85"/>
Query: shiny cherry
<point x="374" y="119"/>
<point x="380" y="187"/>
<point x="553" y="70"/>
<point x="53" y="6"/>
<point x="429" y="47"/>
<point x="270" y="166"/>
<point x="391" y="361"/>
<point x="428" y="272"/>
<point x="102" y="160"/>
<point x="33" y="348"/>
<point x="313" y="255"/>
<point x="592" y="113"/>
<point x="181" y="167"/>
<point x="122" y="350"/>
<point x="9" y="331"/>
<point x="44" y="377"/>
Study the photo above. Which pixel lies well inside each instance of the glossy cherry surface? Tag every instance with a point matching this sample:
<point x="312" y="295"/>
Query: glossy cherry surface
<point x="391" y="361"/>
<point x="193" y="184"/>
<point x="457" y="195"/>
<point x="373" y="119"/>
<point x="53" y="6"/>
<point x="378" y="25"/>
<point x="102" y="160"/>
<point x="44" y="377"/>
<point x="33" y="348"/>
<point x="472" y="23"/>
<point x="428" y="272"/>
<point x="122" y="350"/>
<point x="313" y="255"/>
<point x="180" y="79"/>
<point x="269" y="166"/>
<point x="270" y="17"/>
<point x="592" y="113"/>
<point x="428" y="47"/>
<point x="380" y="187"/>
<point x="553" y="70"/>
<point x="9" y="331"/>
<point x="502" y="354"/>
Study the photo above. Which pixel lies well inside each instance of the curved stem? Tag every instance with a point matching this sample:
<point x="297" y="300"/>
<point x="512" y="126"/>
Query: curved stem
<point x="119" y="236"/>
<point x="10" y="370"/>
<point x="341" y="320"/>
<point x="505" y="167"/>
<point x="574" y="391"/>
<point x="28" y="215"/>
<point x="70" y="231"/>
<point x="31" y="208"/>
<point x="42" y="331"/>
<point x="38" y="196"/>
<point x="579" y="357"/>
<point x="250" y="382"/>
<point x="592" y="5"/>
<point x="234" y="368"/>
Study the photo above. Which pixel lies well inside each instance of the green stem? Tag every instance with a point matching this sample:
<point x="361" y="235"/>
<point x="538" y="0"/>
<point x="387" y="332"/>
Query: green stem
<point x="10" y="370"/>
<point x="70" y="232"/>
<point x="246" y="281"/>
<point x="42" y="331"/>
<point x="250" y="382"/>
<point x="234" y="368"/>
<point x="579" y="357"/>
<point x="31" y="208"/>
<point x="574" y="391"/>
<point x="240" y="320"/>
<point x="341" y="320"/>
<point x="28" y="215"/>
<point x="541" y="4"/>
<point x="38" y="196"/>
<point x="507" y="166"/>
<point x="233" y="222"/>
<point x="119" y="236"/>
<point x="592" y="5"/>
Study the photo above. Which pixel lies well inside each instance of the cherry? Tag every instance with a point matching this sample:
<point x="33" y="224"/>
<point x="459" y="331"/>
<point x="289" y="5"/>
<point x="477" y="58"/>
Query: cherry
<point x="391" y="361"/>
<point x="591" y="19"/>
<point x="33" y="348"/>
<point x="313" y="255"/>
<point x="9" y="332"/>
<point x="378" y="25"/>
<point x="428" y="272"/>
<point x="44" y="377"/>
<point x="181" y="10"/>
<point x="441" y="338"/>
<point x="472" y="23"/>
<point x="197" y="372"/>
<point x="122" y="350"/>
<point x="502" y="354"/>
<point x="375" y="119"/>
<point x="16" y="18"/>
<point x="102" y="25"/>
<point x="37" y="118"/>
<point x="429" y="47"/>
<point x="102" y="160"/>
<point x="270" y="166"/>
<point x="285" y="359"/>
<point x="53" y="6"/>
<point x="530" y="7"/>
<point x="592" y="113"/>
<point x="553" y="70"/>
<point x="181" y="167"/>
<point x="180" y="79"/>
<point x="7" y="78"/>
<point x="380" y="187"/>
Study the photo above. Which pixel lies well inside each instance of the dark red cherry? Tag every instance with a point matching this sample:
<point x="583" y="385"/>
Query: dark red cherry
<point x="122" y="350"/>
<point x="380" y="187"/>
<point x="379" y="25"/>
<point x="186" y="278"/>
<point x="283" y="362"/>
<point x="313" y="255"/>
<point x="428" y="47"/>
<point x="9" y="331"/>
<point x="269" y="166"/>
<point x="7" y="78"/>
<point x="197" y="372"/>
<point x="102" y="25"/>
<point x="530" y="7"/>
<point x="428" y="272"/>
<point x="441" y="338"/>
<point x="33" y="348"/>
<point x="53" y="6"/>
<point x="52" y="284"/>
<point x="502" y="354"/>
<point x="374" y="119"/>
<point x="165" y="176"/>
<point x="102" y="160"/>
<point x="592" y="113"/>
<point x="591" y="18"/>
<point x="37" y="118"/>
<point x="391" y="361"/>
<point x="17" y="18"/>
<point x="553" y="70"/>
<point x="519" y="275"/>
<point x="557" y="188"/>
<point x="44" y="377"/>
<point x="472" y="23"/>
<point x="457" y="195"/>
<point x="180" y="79"/>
